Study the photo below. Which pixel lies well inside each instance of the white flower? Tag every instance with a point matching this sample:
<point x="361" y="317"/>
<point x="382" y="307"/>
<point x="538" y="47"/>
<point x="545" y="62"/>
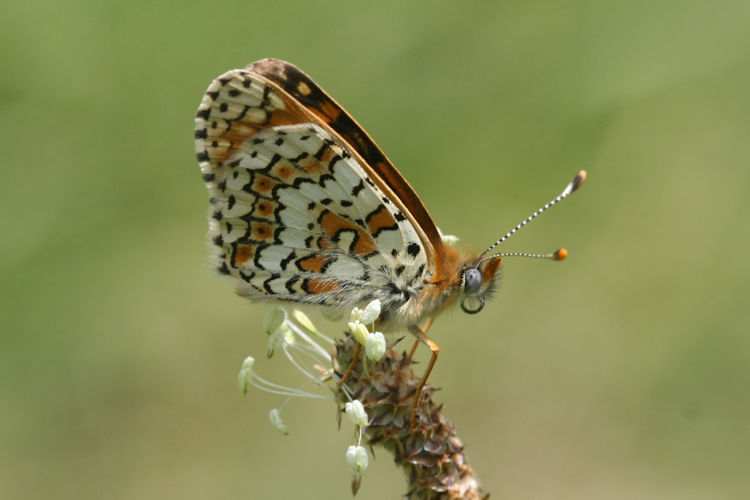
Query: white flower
<point x="375" y="346"/>
<point x="370" y="313"/>
<point x="303" y="321"/>
<point x="282" y="335"/>
<point x="273" y="320"/>
<point x="356" y="413"/>
<point x="275" y="417"/>
<point x="358" y="331"/>
<point x="246" y="374"/>
<point x="356" y="457"/>
<point x="355" y="315"/>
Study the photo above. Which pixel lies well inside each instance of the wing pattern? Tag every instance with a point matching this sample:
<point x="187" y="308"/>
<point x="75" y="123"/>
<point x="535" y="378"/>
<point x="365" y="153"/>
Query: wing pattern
<point x="293" y="215"/>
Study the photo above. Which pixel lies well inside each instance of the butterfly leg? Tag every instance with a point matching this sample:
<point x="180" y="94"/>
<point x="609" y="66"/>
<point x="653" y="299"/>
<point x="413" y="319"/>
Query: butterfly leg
<point x="422" y="337"/>
<point x="426" y="327"/>
<point x="349" y="369"/>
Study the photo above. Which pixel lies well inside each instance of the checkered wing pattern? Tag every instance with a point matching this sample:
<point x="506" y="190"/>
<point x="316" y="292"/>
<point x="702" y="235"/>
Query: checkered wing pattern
<point x="293" y="214"/>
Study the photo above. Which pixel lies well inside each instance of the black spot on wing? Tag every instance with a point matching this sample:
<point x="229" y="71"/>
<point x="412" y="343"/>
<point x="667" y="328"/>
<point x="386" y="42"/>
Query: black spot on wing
<point x="417" y="276"/>
<point x="290" y="283"/>
<point x="267" y="283"/>
<point x="413" y="249"/>
<point x="299" y="158"/>
<point x="359" y="187"/>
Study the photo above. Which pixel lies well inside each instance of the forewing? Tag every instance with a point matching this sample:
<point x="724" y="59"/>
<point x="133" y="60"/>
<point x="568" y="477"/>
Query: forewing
<point x="296" y="86"/>
<point x="294" y="215"/>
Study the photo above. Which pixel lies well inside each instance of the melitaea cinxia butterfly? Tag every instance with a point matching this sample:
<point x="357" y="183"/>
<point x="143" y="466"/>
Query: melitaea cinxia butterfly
<point x="306" y="208"/>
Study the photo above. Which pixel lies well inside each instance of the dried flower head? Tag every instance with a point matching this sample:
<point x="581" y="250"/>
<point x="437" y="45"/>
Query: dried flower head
<point x="377" y="396"/>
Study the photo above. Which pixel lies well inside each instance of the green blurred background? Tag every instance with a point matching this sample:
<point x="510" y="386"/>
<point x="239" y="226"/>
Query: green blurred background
<point x="621" y="373"/>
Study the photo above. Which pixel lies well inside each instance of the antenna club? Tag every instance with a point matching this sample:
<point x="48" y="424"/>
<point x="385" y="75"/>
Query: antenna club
<point x="561" y="254"/>
<point x="578" y="180"/>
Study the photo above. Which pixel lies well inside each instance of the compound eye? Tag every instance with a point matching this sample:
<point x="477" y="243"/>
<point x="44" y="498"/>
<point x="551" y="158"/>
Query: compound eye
<point x="472" y="281"/>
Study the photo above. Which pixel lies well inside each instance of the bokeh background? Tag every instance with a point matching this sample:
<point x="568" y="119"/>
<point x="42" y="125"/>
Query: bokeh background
<point x="621" y="373"/>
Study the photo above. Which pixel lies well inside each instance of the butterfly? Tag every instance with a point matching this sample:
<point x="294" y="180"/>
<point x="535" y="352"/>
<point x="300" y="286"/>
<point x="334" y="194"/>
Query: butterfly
<point x="306" y="208"/>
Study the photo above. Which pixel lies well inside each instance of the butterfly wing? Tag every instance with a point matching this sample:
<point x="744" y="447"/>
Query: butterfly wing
<point x="295" y="83"/>
<point x="295" y="213"/>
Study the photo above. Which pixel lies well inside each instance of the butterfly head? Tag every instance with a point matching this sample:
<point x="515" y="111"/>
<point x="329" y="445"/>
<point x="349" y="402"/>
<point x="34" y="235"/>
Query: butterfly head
<point x="480" y="278"/>
<point x="478" y="282"/>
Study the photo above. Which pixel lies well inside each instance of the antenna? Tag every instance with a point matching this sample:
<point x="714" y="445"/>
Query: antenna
<point x="560" y="254"/>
